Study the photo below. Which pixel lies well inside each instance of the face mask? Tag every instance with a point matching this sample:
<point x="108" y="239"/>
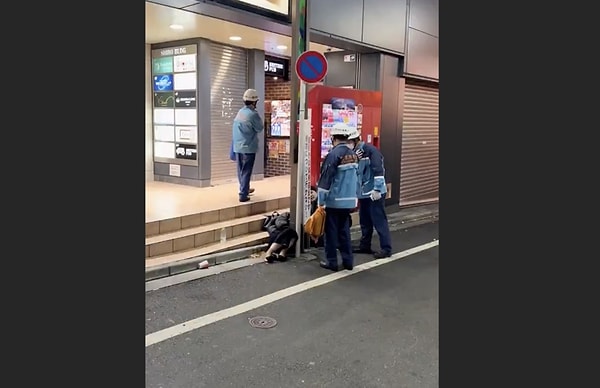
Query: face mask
<point x="350" y="145"/>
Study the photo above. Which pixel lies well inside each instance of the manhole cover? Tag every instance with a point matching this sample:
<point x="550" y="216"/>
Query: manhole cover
<point x="262" y="322"/>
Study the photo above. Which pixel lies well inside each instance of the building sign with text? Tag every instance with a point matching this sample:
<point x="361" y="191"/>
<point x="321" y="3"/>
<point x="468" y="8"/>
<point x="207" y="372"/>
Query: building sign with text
<point x="276" y="67"/>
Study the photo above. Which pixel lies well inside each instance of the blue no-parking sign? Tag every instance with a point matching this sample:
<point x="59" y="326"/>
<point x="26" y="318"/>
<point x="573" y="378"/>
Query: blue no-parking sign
<point x="311" y="66"/>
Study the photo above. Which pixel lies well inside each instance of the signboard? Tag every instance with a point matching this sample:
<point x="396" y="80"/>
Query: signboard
<point x="185" y="151"/>
<point x="163" y="100"/>
<point x="279" y="7"/>
<point x="174" y="170"/>
<point x="184" y="63"/>
<point x="162" y="65"/>
<point x="311" y="67"/>
<point x="185" y="99"/>
<point x="276" y="67"/>
<point x="350" y="58"/>
<point x="175" y="113"/>
<point x="163" y="83"/>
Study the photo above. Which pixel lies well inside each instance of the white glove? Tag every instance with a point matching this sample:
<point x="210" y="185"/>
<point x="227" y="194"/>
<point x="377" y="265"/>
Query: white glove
<point x="375" y="195"/>
<point x="359" y="152"/>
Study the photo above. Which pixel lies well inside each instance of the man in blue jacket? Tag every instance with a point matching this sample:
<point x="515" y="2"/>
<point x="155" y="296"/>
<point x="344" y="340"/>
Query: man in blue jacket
<point x="246" y="127"/>
<point x="371" y="198"/>
<point x="336" y="191"/>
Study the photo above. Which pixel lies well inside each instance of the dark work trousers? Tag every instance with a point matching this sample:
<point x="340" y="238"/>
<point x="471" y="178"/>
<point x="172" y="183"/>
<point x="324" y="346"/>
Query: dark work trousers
<point x="372" y="214"/>
<point x="245" y="164"/>
<point x="337" y="235"/>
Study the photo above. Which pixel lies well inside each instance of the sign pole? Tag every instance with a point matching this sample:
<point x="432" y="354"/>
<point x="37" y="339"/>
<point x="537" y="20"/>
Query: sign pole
<point x="300" y="171"/>
<point x="300" y="39"/>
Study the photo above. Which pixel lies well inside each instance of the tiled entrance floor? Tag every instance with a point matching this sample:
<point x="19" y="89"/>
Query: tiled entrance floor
<point x="167" y="200"/>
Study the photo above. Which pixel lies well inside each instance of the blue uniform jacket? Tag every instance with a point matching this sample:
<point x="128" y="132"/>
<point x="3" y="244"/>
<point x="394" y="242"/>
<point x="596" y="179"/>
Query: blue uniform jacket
<point x="246" y="127"/>
<point x="338" y="181"/>
<point x="371" y="172"/>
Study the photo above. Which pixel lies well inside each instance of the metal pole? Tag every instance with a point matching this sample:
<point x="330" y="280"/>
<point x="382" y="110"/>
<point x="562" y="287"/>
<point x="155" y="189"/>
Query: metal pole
<point x="300" y="170"/>
<point x="300" y="39"/>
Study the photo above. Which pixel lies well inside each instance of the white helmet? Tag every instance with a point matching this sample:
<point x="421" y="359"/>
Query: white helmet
<point x="354" y="134"/>
<point x="250" y="95"/>
<point x="341" y="129"/>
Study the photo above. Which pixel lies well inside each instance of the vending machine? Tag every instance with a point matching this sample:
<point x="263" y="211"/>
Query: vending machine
<point x="329" y="105"/>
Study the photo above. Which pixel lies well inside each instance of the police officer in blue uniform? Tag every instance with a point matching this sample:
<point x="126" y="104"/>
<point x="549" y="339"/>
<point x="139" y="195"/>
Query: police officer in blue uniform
<point x="371" y="198"/>
<point x="337" y="192"/>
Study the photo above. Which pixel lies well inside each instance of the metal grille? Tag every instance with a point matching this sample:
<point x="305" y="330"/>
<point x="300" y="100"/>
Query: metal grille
<point x="419" y="168"/>
<point x="229" y="80"/>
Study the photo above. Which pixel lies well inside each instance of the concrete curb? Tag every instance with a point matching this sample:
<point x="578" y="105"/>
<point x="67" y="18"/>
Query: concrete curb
<point x="403" y="219"/>
<point x="191" y="264"/>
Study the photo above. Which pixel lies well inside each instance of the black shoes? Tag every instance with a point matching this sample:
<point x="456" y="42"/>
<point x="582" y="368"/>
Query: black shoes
<point x="275" y="256"/>
<point x="382" y="254"/>
<point x="244" y="199"/>
<point x="361" y="250"/>
<point x="326" y="265"/>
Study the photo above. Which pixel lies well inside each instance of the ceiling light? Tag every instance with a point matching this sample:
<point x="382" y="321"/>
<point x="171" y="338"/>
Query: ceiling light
<point x="275" y="78"/>
<point x="282" y="47"/>
<point x="236" y="38"/>
<point x="176" y="26"/>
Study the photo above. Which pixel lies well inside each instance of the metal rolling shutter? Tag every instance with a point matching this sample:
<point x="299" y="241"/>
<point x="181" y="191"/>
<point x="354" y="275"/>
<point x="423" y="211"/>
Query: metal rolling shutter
<point x="419" y="168"/>
<point x="229" y="80"/>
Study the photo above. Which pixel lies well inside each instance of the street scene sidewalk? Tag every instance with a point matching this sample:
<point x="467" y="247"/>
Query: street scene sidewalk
<point x="295" y="324"/>
<point x="239" y="258"/>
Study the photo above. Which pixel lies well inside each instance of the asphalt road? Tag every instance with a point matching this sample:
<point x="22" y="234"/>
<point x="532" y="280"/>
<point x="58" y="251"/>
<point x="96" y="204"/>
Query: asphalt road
<point x="375" y="328"/>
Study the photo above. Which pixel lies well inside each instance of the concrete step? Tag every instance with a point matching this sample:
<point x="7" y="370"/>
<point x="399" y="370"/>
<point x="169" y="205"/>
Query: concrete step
<point x="200" y="236"/>
<point x="194" y="256"/>
<point x="177" y="263"/>
<point x="169" y="225"/>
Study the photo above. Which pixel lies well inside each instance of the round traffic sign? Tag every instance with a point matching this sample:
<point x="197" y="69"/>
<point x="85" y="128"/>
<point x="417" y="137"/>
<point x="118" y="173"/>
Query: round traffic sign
<point x="311" y="66"/>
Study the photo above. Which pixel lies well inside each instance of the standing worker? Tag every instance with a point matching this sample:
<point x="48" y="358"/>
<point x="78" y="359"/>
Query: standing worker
<point x="371" y="198"/>
<point x="246" y="127"/>
<point x="336" y="191"/>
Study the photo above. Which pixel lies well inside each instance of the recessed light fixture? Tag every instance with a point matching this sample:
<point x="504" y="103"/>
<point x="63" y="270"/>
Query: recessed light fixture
<point x="176" y="27"/>
<point x="282" y="47"/>
<point x="235" y="38"/>
<point x="275" y="78"/>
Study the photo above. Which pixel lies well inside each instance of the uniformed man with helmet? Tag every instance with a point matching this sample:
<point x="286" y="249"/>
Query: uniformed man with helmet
<point x="246" y="127"/>
<point x="337" y="192"/>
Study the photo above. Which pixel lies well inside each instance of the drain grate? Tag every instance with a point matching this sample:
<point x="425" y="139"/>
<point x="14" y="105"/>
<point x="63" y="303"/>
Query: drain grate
<point x="262" y="322"/>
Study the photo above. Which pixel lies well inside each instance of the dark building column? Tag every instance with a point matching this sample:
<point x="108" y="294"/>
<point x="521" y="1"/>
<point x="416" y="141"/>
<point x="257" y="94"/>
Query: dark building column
<point x="256" y="80"/>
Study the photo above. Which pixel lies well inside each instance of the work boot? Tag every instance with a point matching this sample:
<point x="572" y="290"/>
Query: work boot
<point x="325" y="264"/>
<point x="361" y="250"/>
<point x="382" y="254"/>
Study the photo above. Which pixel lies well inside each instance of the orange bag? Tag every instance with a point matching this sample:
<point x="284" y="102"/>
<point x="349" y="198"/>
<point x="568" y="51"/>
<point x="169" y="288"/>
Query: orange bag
<point x="315" y="225"/>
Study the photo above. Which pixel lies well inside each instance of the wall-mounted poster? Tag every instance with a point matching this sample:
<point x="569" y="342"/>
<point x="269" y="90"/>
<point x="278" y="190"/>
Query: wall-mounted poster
<point x="185" y="99"/>
<point x="164" y="100"/>
<point x="186" y="134"/>
<point x="186" y="116"/>
<point x="163" y="83"/>
<point x="284" y="146"/>
<point x="280" y="118"/>
<point x="164" y="133"/>
<point x="164" y="116"/>
<point x="273" y="148"/>
<point x="162" y="65"/>
<point x="185" y="81"/>
<point x="164" y="150"/>
<point x="185" y="63"/>
<point x="185" y="151"/>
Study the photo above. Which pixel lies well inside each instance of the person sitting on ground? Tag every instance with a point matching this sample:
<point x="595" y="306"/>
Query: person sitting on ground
<point x="281" y="236"/>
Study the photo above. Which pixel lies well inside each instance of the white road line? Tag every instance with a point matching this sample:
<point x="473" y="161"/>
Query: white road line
<point x="193" y="324"/>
